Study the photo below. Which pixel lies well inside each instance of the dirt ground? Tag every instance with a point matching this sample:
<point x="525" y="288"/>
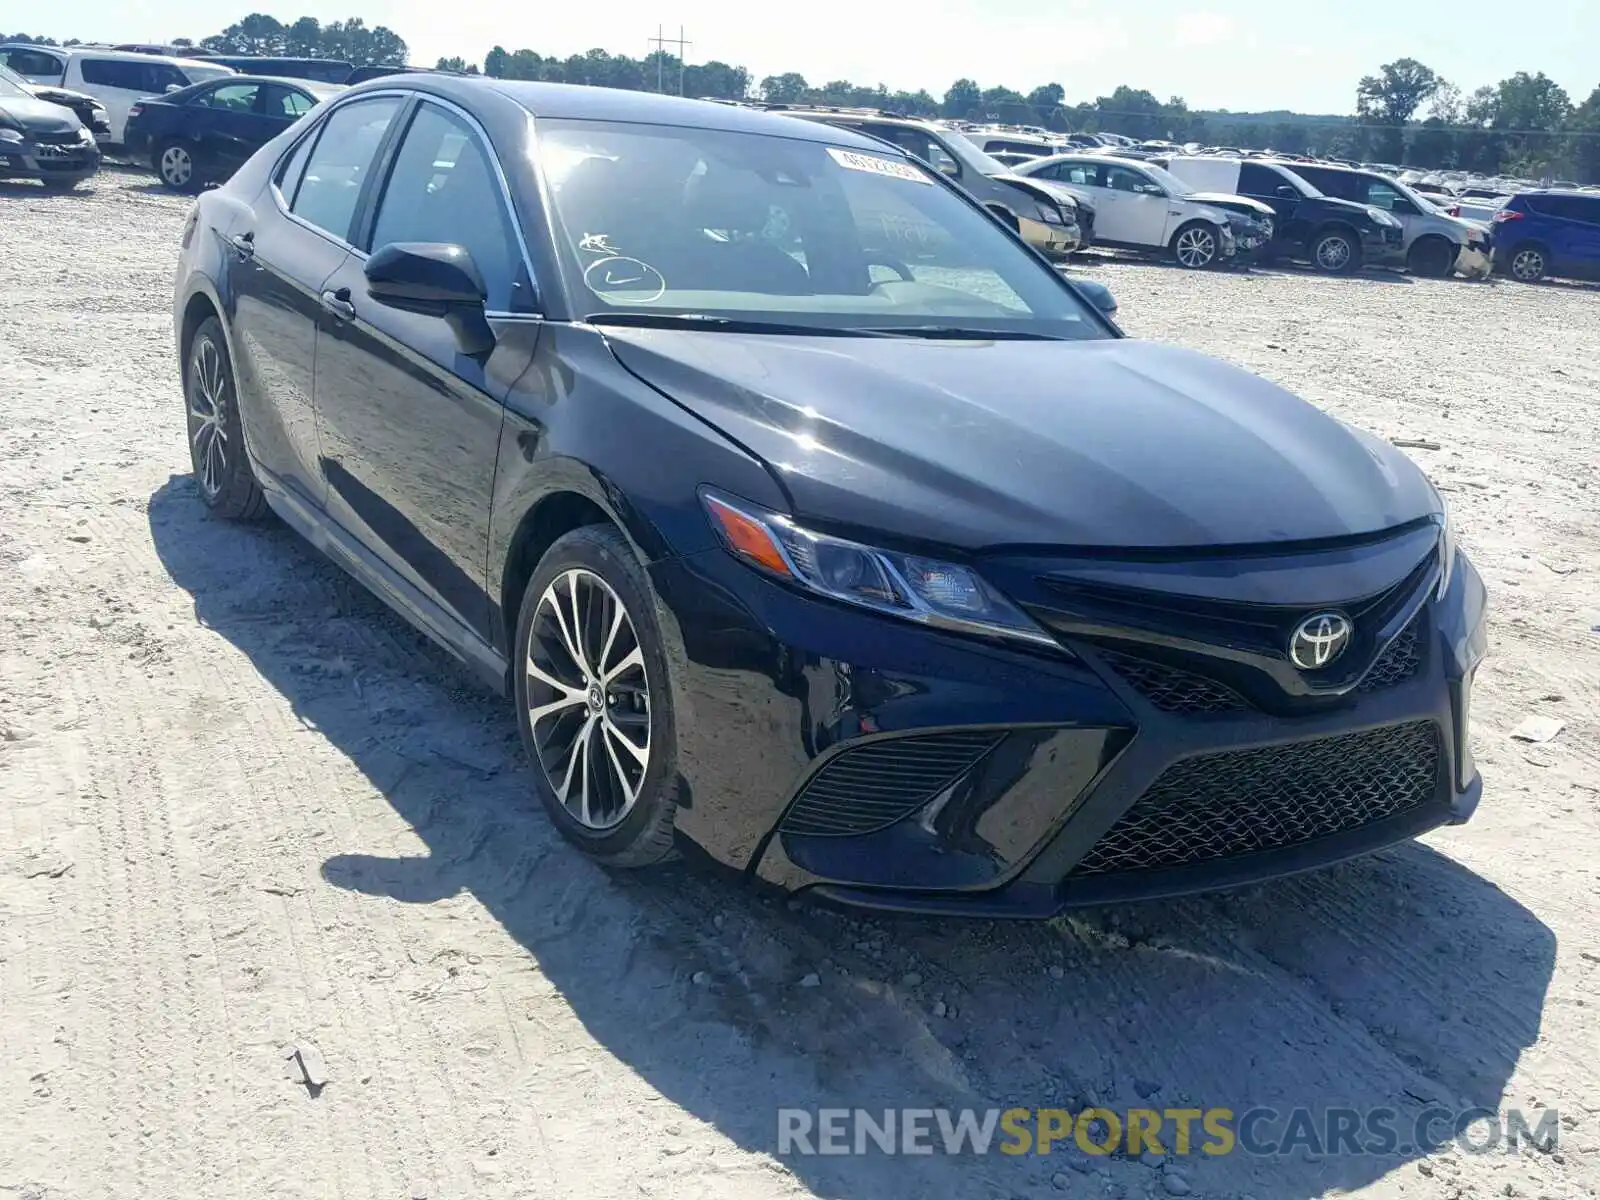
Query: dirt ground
<point x="243" y="810"/>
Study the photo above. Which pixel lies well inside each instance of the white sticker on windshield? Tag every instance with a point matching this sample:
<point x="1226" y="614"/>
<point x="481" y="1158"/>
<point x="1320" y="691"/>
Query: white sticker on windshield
<point x="874" y="165"/>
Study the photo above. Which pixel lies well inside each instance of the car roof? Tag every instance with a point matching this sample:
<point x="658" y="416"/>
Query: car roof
<point x="1578" y="192"/>
<point x="570" y="101"/>
<point x="294" y="81"/>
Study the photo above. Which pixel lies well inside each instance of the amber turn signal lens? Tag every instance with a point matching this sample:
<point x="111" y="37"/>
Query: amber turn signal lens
<point x="747" y="537"/>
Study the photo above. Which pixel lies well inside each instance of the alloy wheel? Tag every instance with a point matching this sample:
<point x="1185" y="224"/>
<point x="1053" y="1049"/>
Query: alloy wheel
<point x="177" y="166"/>
<point x="208" y="405"/>
<point x="1333" y="253"/>
<point x="1196" y="247"/>
<point x="1528" y="265"/>
<point x="588" y="699"/>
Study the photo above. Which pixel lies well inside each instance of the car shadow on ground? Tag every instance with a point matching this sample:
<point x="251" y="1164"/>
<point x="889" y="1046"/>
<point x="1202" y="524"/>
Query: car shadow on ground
<point x="1400" y="982"/>
<point x="1094" y="258"/>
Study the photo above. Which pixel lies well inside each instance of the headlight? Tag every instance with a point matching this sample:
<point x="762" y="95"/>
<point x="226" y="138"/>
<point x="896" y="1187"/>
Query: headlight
<point x="10" y="135"/>
<point x="1050" y="214"/>
<point x="84" y="135"/>
<point x="1447" y="545"/>
<point x="942" y="594"/>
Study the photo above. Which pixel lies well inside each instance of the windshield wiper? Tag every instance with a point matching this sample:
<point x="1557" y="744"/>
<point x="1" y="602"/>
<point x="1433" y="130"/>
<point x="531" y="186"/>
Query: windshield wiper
<point x="957" y="332"/>
<point x="663" y="320"/>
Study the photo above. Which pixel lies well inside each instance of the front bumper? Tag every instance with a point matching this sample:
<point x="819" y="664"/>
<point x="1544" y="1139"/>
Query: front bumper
<point x="1053" y="241"/>
<point x="31" y="159"/>
<point x="874" y="763"/>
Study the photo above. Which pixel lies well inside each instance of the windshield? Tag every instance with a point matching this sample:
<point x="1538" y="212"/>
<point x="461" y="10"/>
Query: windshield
<point x="12" y="85"/>
<point x="663" y="221"/>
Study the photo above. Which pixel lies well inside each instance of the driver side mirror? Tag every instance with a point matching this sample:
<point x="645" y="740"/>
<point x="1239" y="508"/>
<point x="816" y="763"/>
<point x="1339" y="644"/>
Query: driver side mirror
<point x="1286" y="192"/>
<point x="1098" y="294"/>
<point x="172" y="87"/>
<point x="434" y="279"/>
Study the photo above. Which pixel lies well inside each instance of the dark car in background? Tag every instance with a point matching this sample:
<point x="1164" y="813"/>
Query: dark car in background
<point x="322" y="70"/>
<point x="1335" y="236"/>
<point x="43" y="140"/>
<point x="906" y="584"/>
<point x="87" y="109"/>
<point x="203" y="133"/>
<point x="1548" y="232"/>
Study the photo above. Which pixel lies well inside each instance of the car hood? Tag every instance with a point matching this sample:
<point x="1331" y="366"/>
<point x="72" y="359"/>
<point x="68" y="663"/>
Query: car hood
<point x="1078" y="196"/>
<point x="61" y="95"/>
<point x="37" y="116"/>
<point x="1043" y="188"/>
<point x="976" y="444"/>
<point x="1233" y="203"/>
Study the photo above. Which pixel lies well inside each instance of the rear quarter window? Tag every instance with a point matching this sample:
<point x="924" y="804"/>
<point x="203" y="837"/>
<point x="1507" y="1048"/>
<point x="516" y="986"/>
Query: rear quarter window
<point x="1568" y="208"/>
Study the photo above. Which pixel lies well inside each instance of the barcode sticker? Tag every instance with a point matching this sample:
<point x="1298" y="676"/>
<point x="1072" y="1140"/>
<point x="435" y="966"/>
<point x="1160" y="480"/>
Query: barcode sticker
<point x="874" y="165"/>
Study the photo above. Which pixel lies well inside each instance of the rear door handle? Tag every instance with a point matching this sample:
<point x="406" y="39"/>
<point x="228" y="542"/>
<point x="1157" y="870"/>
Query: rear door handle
<point x="244" y="244"/>
<point x="338" y="303"/>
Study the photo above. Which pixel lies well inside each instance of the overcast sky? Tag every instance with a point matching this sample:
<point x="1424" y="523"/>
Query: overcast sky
<point x="1305" y="56"/>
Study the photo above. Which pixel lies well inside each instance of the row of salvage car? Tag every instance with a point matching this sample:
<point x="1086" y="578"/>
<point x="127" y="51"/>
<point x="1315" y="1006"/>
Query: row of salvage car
<point x="1199" y="211"/>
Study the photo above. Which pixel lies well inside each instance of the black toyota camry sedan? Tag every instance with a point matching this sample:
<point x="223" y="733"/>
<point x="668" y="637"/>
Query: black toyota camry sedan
<point x="810" y="519"/>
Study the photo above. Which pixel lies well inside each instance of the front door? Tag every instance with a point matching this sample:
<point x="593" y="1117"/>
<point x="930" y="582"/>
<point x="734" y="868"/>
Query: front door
<point x="1138" y="206"/>
<point x="227" y="127"/>
<point x="410" y="425"/>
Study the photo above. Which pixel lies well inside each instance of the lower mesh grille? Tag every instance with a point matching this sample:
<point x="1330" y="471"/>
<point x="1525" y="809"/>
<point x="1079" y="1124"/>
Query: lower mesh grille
<point x="1399" y="661"/>
<point x="1244" y="801"/>
<point x="873" y="786"/>
<point x="1172" y="689"/>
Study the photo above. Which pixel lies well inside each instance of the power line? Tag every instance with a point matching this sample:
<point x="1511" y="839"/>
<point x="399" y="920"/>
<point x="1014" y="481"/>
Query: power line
<point x="659" y="45"/>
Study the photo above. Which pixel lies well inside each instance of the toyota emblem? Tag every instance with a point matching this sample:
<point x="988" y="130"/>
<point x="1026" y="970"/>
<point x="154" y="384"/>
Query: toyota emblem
<point x="1319" y="639"/>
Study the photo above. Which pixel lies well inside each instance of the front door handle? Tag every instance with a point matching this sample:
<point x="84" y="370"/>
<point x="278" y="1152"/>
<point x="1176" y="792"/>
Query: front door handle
<point x="244" y="244"/>
<point x="338" y="303"/>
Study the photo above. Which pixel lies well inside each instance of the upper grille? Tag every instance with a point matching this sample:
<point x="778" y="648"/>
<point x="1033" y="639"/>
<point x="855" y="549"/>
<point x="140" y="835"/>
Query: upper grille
<point x="1174" y="690"/>
<point x="1244" y="801"/>
<point x="1399" y="661"/>
<point x="872" y="786"/>
<point x="67" y="137"/>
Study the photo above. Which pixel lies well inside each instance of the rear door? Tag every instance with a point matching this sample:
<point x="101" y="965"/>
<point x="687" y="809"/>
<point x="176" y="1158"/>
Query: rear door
<point x="1576" y="224"/>
<point x="409" y="425"/>
<point x="279" y="264"/>
<point x="228" y="127"/>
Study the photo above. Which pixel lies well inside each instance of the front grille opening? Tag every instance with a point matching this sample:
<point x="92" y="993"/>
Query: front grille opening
<point x="1172" y="689"/>
<point x="1239" y="802"/>
<point x="871" y="787"/>
<point x="1400" y="660"/>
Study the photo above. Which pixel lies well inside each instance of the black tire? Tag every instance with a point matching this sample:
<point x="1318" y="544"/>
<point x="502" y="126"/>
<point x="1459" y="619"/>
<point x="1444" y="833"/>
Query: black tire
<point x="1196" y="246"/>
<point x="1432" y="257"/>
<point x="641" y="835"/>
<point x="1335" y="250"/>
<point x="1528" y="262"/>
<point x="177" y="166"/>
<point x="222" y="471"/>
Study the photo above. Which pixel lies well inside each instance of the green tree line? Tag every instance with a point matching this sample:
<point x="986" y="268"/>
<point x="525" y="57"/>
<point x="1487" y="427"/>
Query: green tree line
<point x="1405" y="113"/>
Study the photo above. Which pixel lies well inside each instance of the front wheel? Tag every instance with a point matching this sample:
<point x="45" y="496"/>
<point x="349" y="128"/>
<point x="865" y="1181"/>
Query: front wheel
<point x="1433" y="258"/>
<point x="1335" y="252"/>
<point x="1195" y="246"/>
<point x="594" y="701"/>
<point x="175" y="163"/>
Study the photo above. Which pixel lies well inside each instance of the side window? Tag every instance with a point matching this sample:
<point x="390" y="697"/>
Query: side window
<point x="288" y="177"/>
<point x="113" y="72"/>
<point x="34" y="62"/>
<point x="1256" y="180"/>
<point x="1381" y="195"/>
<point x="157" y="77"/>
<point x="338" y="164"/>
<point x="287" y="102"/>
<point x="1570" y="208"/>
<point x="1124" y="179"/>
<point x="237" y="97"/>
<point x="443" y="188"/>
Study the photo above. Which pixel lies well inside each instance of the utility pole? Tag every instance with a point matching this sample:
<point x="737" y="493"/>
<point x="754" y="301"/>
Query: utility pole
<point x="658" y="45"/>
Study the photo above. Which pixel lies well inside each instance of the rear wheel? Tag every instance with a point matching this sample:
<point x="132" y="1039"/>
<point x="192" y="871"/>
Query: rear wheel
<point x="594" y="702"/>
<point x="1432" y="257"/>
<point x="216" y="436"/>
<point x="176" y="165"/>
<point x="1529" y="263"/>
<point x="1195" y="246"/>
<point x="1335" y="251"/>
